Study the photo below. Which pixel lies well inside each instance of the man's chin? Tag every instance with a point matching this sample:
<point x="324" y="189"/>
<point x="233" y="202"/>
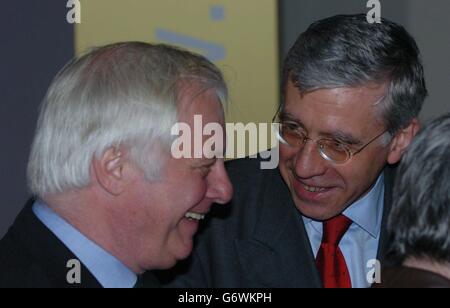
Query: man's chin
<point x="314" y="211"/>
<point x="185" y="249"/>
<point x="176" y="252"/>
<point x="172" y="260"/>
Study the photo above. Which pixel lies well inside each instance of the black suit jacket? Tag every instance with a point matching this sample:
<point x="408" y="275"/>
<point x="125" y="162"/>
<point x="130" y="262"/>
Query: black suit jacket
<point x="259" y="239"/>
<point x="406" y="277"/>
<point x="31" y="256"/>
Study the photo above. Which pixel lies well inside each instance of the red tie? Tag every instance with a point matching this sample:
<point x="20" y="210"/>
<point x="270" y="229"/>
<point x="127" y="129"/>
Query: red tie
<point x="330" y="260"/>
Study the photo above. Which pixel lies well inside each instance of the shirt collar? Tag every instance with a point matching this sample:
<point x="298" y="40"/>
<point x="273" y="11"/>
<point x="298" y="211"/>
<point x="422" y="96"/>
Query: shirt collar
<point x="108" y="270"/>
<point x="367" y="211"/>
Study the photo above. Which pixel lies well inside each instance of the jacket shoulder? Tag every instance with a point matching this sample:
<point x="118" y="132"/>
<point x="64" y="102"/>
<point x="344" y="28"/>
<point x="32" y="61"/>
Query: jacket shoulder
<point x="18" y="267"/>
<point x="251" y="183"/>
<point x="31" y="256"/>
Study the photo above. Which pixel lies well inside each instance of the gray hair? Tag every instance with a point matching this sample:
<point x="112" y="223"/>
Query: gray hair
<point x="120" y="94"/>
<point x="347" y="51"/>
<point x="419" y="223"/>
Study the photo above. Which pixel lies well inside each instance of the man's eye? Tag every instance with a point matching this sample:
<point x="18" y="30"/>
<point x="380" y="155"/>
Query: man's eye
<point x="291" y="127"/>
<point x="339" y="146"/>
<point x="205" y="169"/>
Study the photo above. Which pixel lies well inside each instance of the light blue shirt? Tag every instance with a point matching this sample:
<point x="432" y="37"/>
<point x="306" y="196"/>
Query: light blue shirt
<point x="360" y="242"/>
<point x="109" y="271"/>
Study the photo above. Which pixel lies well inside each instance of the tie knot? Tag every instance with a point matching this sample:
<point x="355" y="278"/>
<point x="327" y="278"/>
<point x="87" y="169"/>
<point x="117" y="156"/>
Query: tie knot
<point x="335" y="228"/>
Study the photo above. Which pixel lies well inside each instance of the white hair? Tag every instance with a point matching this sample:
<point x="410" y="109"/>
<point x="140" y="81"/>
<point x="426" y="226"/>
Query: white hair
<point x="124" y="94"/>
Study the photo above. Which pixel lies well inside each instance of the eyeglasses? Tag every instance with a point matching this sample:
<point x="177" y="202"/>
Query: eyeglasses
<point x="291" y="134"/>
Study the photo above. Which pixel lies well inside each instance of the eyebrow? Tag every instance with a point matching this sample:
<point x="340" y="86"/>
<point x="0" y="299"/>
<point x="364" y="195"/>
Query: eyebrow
<point x="286" y="116"/>
<point x="343" y="137"/>
<point x="338" y="134"/>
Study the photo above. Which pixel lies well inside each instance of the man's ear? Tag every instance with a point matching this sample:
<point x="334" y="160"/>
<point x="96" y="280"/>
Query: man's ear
<point x="401" y="141"/>
<point x="109" y="171"/>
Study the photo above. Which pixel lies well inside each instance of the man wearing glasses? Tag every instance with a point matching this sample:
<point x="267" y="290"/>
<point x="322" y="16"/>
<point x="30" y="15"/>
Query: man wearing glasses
<point x="351" y="94"/>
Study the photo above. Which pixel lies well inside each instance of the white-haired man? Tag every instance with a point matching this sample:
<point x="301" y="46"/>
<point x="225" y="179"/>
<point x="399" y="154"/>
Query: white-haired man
<point x="109" y="196"/>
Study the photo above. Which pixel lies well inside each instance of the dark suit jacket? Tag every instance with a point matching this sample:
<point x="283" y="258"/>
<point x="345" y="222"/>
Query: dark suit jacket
<point x="406" y="277"/>
<point x="259" y="240"/>
<point x="31" y="256"/>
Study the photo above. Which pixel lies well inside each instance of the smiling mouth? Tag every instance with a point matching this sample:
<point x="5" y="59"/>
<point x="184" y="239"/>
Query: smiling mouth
<point x="194" y="216"/>
<point x="313" y="188"/>
<point x="311" y="193"/>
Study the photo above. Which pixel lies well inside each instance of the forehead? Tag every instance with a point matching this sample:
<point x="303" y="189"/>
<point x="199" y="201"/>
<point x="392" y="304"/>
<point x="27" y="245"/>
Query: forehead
<point x="196" y="100"/>
<point x="354" y="110"/>
<point x="201" y="110"/>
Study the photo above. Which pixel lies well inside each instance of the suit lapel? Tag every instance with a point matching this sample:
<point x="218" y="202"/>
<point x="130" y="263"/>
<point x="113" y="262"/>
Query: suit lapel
<point x="388" y="194"/>
<point x="279" y="253"/>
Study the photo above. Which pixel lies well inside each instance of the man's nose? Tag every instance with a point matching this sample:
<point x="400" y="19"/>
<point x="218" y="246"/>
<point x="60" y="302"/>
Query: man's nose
<point x="220" y="189"/>
<point x="308" y="162"/>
